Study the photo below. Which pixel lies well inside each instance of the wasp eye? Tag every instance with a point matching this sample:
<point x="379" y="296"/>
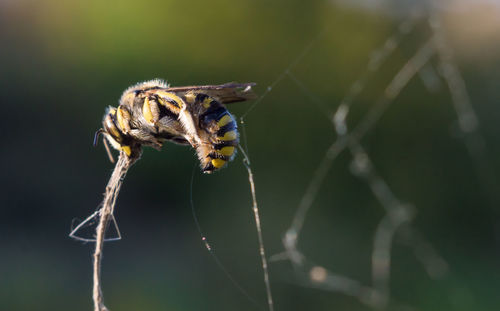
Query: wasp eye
<point x="110" y="127"/>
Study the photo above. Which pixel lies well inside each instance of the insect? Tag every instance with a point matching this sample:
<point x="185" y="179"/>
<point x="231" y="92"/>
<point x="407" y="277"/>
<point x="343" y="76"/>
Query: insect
<point x="152" y="112"/>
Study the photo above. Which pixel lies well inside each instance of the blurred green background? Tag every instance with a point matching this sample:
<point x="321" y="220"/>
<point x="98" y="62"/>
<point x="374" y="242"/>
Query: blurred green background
<point x="63" y="62"/>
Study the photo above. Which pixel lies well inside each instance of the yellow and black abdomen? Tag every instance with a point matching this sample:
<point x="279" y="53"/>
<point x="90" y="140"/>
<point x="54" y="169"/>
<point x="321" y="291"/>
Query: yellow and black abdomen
<point x="220" y="144"/>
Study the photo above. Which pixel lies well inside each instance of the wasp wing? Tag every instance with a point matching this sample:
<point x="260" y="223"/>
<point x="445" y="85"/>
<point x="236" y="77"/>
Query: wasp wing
<point x="226" y="93"/>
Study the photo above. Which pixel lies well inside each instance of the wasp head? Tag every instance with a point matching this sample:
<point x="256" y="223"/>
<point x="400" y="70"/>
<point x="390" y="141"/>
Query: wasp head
<point x="115" y="128"/>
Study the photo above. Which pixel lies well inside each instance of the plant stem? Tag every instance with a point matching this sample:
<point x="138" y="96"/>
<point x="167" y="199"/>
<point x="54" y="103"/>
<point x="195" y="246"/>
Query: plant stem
<point x="105" y="215"/>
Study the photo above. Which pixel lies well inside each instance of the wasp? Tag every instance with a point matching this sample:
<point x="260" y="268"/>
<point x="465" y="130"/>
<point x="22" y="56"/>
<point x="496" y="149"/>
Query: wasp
<point x="151" y="113"/>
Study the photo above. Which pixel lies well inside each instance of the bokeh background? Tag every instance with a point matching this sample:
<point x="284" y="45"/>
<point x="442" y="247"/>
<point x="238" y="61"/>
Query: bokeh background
<point x="63" y="62"/>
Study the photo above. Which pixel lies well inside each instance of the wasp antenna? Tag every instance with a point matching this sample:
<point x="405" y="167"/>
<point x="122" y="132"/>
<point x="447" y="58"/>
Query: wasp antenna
<point x="96" y="136"/>
<point x="108" y="151"/>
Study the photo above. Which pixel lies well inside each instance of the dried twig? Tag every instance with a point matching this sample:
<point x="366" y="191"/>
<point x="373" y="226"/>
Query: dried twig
<point x="246" y="162"/>
<point x="105" y="215"/>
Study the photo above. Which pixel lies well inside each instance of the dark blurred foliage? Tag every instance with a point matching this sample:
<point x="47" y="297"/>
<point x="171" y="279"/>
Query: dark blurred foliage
<point x="63" y="62"/>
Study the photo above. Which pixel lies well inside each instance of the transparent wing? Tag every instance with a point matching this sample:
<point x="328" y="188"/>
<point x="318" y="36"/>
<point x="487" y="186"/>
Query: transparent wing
<point x="226" y="93"/>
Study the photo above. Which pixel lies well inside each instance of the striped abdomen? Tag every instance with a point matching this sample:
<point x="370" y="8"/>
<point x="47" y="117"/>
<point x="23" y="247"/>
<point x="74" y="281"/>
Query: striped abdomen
<point x="219" y="134"/>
